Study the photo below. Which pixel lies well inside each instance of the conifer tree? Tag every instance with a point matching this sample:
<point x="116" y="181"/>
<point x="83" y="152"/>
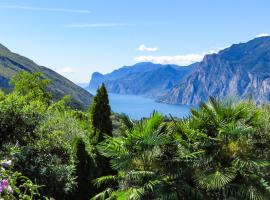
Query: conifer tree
<point x="102" y="125"/>
<point x="85" y="172"/>
<point x="101" y="114"/>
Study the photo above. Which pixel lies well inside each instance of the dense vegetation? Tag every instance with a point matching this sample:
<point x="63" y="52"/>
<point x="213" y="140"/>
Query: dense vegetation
<point x="49" y="150"/>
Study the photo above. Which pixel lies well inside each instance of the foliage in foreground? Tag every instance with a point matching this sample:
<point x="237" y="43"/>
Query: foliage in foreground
<point x="42" y="132"/>
<point x="14" y="185"/>
<point x="220" y="152"/>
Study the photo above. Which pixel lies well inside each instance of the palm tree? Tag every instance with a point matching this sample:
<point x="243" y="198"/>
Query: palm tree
<point x="231" y="166"/>
<point x="219" y="152"/>
<point x="134" y="155"/>
<point x="144" y="155"/>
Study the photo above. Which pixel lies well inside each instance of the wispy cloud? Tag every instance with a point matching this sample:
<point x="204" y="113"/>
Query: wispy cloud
<point x="19" y="7"/>
<point x="95" y="25"/>
<point x="263" y="35"/>
<point x="145" y="48"/>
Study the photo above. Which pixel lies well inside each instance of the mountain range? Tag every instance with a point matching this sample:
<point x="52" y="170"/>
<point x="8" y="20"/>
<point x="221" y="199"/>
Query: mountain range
<point x="241" y="70"/>
<point x="12" y="63"/>
<point x="148" y="79"/>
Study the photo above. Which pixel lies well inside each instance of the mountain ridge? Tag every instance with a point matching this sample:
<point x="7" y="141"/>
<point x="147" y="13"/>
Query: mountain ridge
<point x="12" y="63"/>
<point x="241" y="70"/>
<point x="146" y="78"/>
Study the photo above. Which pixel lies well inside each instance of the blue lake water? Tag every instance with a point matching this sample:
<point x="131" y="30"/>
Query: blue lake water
<point x="137" y="107"/>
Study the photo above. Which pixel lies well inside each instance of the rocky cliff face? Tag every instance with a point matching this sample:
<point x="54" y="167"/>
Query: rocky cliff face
<point x="148" y="79"/>
<point x="242" y="70"/>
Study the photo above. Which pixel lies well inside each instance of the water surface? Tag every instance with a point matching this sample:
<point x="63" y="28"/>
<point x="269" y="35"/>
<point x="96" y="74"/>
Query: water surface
<point x="137" y="107"/>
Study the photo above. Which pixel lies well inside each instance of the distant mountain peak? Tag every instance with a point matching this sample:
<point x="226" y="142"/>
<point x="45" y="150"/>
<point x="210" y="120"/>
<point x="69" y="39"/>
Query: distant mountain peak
<point x="97" y="74"/>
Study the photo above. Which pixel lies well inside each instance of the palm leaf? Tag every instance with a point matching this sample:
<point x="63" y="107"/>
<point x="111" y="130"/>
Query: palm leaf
<point x="104" y="180"/>
<point x="216" y="180"/>
<point x="103" y="195"/>
<point x="250" y="165"/>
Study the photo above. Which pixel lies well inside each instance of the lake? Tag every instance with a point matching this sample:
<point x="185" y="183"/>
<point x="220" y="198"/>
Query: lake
<point x="137" y="107"/>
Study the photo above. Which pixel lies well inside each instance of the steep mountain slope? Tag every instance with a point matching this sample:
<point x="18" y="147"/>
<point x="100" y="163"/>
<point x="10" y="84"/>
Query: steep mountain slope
<point x="147" y="79"/>
<point x="242" y="70"/>
<point x="11" y="63"/>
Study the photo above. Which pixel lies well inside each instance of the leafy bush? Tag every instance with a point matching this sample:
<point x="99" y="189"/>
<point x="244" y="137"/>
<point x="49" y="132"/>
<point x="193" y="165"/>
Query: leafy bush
<point x="43" y="133"/>
<point x="49" y="159"/>
<point x="13" y="185"/>
<point x="19" y="118"/>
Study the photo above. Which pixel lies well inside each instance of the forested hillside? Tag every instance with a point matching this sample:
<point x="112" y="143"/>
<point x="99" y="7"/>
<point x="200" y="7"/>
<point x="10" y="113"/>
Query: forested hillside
<point x="12" y="63"/>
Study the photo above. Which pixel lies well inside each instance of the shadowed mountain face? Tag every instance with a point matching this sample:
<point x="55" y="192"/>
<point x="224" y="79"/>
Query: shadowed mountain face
<point x="148" y="79"/>
<point x="242" y="70"/>
<point x="11" y="63"/>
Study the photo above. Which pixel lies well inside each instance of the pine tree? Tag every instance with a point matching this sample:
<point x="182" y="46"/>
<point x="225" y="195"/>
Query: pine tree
<point x="101" y="114"/>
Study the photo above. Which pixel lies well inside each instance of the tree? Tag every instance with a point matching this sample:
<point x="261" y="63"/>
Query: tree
<point x="31" y="85"/>
<point x="85" y="172"/>
<point x="138" y="155"/>
<point x="235" y="156"/>
<point x="220" y="152"/>
<point x="22" y="110"/>
<point x="48" y="159"/>
<point x="101" y="114"/>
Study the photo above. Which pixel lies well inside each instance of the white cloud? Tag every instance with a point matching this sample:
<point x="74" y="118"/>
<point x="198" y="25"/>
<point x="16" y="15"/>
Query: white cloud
<point x="144" y="48"/>
<point x="101" y="25"/>
<point x="177" y="59"/>
<point x="262" y="35"/>
<point x="18" y="7"/>
<point x="66" y="70"/>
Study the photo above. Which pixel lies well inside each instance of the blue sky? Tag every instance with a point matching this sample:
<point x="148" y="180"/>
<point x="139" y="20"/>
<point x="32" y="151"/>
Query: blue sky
<point x="78" y="37"/>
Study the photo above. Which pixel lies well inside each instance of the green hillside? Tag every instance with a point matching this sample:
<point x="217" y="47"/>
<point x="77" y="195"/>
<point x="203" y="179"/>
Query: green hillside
<point x="11" y="64"/>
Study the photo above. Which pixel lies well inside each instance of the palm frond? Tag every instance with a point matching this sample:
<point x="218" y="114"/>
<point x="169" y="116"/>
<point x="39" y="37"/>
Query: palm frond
<point x="250" y="165"/>
<point x="103" y="195"/>
<point x="112" y="147"/>
<point x="139" y="175"/>
<point x="104" y="180"/>
<point x="252" y="193"/>
<point x="135" y="193"/>
<point x="265" y="184"/>
<point x="216" y="180"/>
<point x="127" y="122"/>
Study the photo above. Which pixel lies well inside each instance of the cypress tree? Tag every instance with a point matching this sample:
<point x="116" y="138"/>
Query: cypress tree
<point x="101" y="114"/>
<point x="85" y="173"/>
<point x="102" y="124"/>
